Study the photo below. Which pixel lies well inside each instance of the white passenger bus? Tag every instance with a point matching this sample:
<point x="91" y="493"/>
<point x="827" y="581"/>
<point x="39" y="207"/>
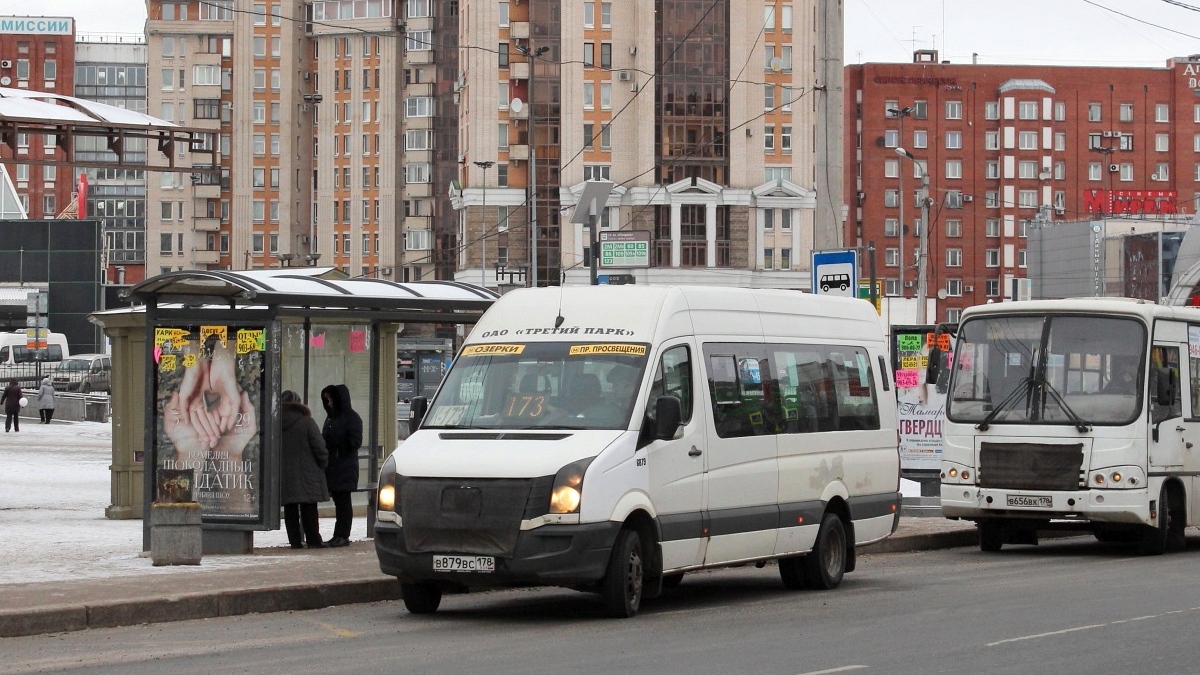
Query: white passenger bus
<point x="1069" y="414"/>
<point x="613" y="438"/>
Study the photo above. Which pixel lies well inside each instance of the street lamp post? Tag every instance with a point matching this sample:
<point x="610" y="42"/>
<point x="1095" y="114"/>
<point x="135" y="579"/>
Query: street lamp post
<point x="900" y="114"/>
<point x="922" y="234"/>
<point x="483" y="226"/>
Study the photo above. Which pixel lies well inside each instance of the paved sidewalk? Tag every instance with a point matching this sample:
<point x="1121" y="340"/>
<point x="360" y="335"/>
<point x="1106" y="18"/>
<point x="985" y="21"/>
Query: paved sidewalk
<point x="279" y="579"/>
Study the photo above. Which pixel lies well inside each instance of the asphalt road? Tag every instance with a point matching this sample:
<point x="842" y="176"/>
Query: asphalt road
<point x="1068" y="606"/>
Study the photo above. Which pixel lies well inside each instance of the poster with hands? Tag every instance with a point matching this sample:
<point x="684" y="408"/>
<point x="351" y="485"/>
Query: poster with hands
<point x="210" y="385"/>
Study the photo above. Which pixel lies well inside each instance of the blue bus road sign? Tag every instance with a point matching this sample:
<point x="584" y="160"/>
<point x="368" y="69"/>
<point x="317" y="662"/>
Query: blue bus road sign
<point x="835" y="273"/>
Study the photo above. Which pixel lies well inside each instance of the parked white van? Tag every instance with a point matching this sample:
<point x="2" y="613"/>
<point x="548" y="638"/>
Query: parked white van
<point x="27" y="365"/>
<point x="613" y="438"/>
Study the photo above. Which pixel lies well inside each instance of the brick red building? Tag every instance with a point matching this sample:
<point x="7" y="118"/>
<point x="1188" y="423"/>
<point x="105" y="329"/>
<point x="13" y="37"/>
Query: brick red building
<point x="38" y="53"/>
<point x="1007" y="148"/>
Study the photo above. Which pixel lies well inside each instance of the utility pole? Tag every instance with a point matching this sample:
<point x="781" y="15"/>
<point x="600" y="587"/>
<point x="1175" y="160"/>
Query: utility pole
<point x="922" y="238"/>
<point x="483" y="226"/>
<point x="900" y="114"/>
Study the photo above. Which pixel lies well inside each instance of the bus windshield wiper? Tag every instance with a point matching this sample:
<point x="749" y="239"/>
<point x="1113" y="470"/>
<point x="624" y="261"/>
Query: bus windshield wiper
<point x="1022" y="388"/>
<point x="1080" y="424"/>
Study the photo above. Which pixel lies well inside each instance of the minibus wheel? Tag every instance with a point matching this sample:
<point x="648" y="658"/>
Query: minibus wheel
<point x="825" y="565"/>
<point x="625" y="577"/>
<point x="421" y="597"/>
<point x="672" y="580"/>
<point x="1168" y="534"/>
<point x="791" y="571"/>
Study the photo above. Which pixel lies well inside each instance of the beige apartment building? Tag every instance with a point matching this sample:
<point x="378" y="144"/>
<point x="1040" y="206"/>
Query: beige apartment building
<point x="303" y="100"/>
<point x="704" y="115"/>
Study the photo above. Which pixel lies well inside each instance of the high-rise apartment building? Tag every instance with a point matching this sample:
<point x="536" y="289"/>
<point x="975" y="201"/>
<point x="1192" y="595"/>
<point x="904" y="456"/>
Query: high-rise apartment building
<point x="701" y="112"/>
<point x="1007" y="148"/>
<point x="111" y="69"/>
<point x="38" y="53"/>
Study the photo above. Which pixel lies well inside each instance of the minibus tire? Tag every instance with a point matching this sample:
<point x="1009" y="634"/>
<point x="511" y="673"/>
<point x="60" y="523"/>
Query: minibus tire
<point x="625" y="577"/>
<point x="1154" y="538"/>
<point x="421" y="597"/>
<point x="825" y="564"/>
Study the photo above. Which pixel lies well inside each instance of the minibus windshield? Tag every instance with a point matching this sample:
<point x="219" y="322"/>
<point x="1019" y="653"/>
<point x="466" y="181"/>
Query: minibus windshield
<point x="1048" y="369"/>
<point x="540" y="385"/>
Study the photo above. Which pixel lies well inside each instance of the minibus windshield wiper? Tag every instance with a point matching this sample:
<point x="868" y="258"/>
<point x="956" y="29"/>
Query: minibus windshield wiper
<point x="1080" y="424"/>
<point x="1022" y="387"/>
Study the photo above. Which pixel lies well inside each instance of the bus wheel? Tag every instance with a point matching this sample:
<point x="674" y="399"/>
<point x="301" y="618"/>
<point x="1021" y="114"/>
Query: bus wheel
<point x="991" y="537"/>
<point x="791" y="571"/>
<point x="422" y="597"/>
<point x="825" y="564"/>
<point x="1168" y="534"/>
<point x="622" y="585"/>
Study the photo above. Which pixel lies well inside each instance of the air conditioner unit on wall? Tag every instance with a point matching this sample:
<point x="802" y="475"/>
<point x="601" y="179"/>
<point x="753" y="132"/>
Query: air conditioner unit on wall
<point x="969" y="289"/>
<point x="6" y="63"/>
<point x="623" y="75"/>
<point x="1114" y="167"/>
<point x="968" y="198"/>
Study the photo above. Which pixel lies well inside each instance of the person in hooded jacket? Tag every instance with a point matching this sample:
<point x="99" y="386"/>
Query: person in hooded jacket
<point x="302" y="472"/>
<point x="343" y="436"/>
<point x="11" y="398"/>
<point x="45" y="400"/>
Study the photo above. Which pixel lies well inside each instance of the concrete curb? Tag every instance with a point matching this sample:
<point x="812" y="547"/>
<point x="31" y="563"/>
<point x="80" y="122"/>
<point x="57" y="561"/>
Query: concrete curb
<point x="67" y="618"/>
<point x="292" y="597"/>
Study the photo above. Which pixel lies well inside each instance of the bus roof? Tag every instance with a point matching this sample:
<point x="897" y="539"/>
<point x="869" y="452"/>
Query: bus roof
<point x="1144" y="309"/>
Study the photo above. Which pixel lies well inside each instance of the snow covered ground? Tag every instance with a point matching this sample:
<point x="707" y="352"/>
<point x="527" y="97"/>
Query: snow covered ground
<point x="54" y="487"/>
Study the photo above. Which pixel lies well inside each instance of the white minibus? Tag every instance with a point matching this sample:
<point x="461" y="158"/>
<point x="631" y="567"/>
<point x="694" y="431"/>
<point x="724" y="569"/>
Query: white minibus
<point x="1074" y="414"/>
<point x="613" y="438"/>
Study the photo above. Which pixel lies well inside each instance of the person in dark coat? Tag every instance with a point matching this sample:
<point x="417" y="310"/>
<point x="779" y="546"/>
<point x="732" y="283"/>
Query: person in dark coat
<point x="11" y="398"/>
<point x="343" y="436"/>
<point x="302" y="472"/>
<point x="45" y="400"/>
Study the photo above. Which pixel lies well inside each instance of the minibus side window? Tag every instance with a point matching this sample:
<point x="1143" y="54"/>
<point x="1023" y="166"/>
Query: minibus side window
<point x="3" y="354"/>
<point x="673" y="377"/>
<point x="54" y="353"/>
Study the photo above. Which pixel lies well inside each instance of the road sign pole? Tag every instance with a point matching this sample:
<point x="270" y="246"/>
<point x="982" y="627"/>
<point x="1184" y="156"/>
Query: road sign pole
<point x="593" y="245"/>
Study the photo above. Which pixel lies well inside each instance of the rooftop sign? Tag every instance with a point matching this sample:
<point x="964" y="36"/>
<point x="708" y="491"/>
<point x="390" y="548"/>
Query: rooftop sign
<point x="37" y="25"/>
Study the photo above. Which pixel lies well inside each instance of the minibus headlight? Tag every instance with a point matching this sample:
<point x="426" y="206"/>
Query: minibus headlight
<point x="567" y="492"/>
<point x="953" y="473"/>
<point x="387" y="485"/>
<point x="1115" y="477"/>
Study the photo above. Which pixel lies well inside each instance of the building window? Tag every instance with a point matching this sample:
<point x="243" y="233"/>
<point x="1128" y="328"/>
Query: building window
<point x="1027" y="110"/>
<point x="596" y="172"/>
<point x="606" y="60"/>
<point x="953" y="227"/>
<point x="991" y="169"/>
<point x="1060" y="170"/>
<point x="1127" y="172"/>
<point x="589" y="15"/>
<point x="954" y="288"/>
<point x="991" y="287"/>
<point x="991" y="199"/>
<point x="1027" y="169"/>
<point x="606" y="95"/>
<point x="769" y="140"/>
<point x="953" y="140"/>
<point x="991" y="140"/>
<point x="954" y="110"/>
<point x="1162" y="172"/>
<point x="1060" y="141"/>
<point x="768" y="96"/>
<point x="502" y="13"/>
<point x="1162" y="112"/>
<point x="891" y="227"/>
<point x="785" y="139"/>
<point x="768" y="258"/>
<point x="991" y="257"/>
<point x="891" y="198"/>
<point x="891" y="257"/>
<point x="953" y="315"/>
<point x="920" y="139"/>
<point x="991" y="110"/>
<point x="954" y="257"/>
<point x="1027" y="199"/>
<point x="1125" y="112"/>
<point x="1162" y="142"/>
<point x="991" y="227"/>
<point x="1125" y="142"/>
<point x="1060" y="111"/>
<point x="891" y="138"/>
<point x="1021" y="259"/>
<point x="1095" y="171"/>
<point x="1027" y="140"/>
<point x="589" y="54"/>
<point x="1093" y="112"/>
<point x="589" y="93"/>
<point x="954" y="168"/>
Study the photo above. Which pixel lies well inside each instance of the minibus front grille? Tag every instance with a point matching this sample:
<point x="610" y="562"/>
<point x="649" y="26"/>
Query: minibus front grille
<point x="481" y="516"/>
<point x="1031" y="466"/>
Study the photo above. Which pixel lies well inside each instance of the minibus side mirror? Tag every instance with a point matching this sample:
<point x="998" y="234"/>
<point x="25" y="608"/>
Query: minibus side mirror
<point x="668" y="416"/>
<point x="932" y="370"/>
<point x="416" y="412"/>
<point x="1165" y="391"/>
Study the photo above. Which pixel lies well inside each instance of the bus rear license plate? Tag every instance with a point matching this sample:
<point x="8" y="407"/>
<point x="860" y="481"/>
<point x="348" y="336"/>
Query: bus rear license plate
<point x="464" y="563"/>
<point x="1039" y="502"/>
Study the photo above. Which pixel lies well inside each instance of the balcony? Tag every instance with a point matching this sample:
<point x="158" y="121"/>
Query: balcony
<point x="518" y="70"/>
<point x="206" y="224"/>
<point x="518" y="30"/>
<point x="522" y="114"/>
<point x="518" y="152"/>
<point x="204" y="257"/>
<point x="419" y="57"/>
<point x="207" y="191"/>
<point x="419" y="89"/>
<point x="418" y="190"/>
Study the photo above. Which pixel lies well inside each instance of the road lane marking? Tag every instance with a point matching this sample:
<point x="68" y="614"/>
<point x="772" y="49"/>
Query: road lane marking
<point x="340" y="632"/>
<point x="1042" y="635"/>
<point x="834" y="670"/>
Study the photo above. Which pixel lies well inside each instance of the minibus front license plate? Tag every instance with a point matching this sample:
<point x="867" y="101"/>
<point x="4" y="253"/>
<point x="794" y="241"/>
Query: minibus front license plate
<point x="1037" y="502"/>
<point x="464" y="563"/>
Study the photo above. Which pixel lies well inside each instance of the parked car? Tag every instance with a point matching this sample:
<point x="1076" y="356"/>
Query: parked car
<point x="84" y="373"/>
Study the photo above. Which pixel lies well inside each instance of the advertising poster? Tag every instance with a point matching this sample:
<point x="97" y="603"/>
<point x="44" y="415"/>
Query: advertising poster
<point x="210" y="408"/>
<point x="921" y="405"/>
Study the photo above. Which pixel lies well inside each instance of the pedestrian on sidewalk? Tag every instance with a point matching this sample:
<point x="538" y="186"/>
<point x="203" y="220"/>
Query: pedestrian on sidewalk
<point x="302" y="472"/>
<point x="11" y="398"/>
<point x="343" y="436"/>
<point x="45" y="400"/>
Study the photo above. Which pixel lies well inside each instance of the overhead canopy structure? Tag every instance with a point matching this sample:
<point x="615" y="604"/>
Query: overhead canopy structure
<point x="310" y="291"/>
<point x="67" y="118"/>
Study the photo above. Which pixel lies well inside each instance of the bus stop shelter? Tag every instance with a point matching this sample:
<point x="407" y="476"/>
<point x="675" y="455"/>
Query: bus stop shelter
<point x="202" y="358"/>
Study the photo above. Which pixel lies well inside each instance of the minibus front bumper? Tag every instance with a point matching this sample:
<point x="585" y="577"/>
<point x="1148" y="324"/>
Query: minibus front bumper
<point x="552" y="555"/>
<point x="970" y="502"/>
